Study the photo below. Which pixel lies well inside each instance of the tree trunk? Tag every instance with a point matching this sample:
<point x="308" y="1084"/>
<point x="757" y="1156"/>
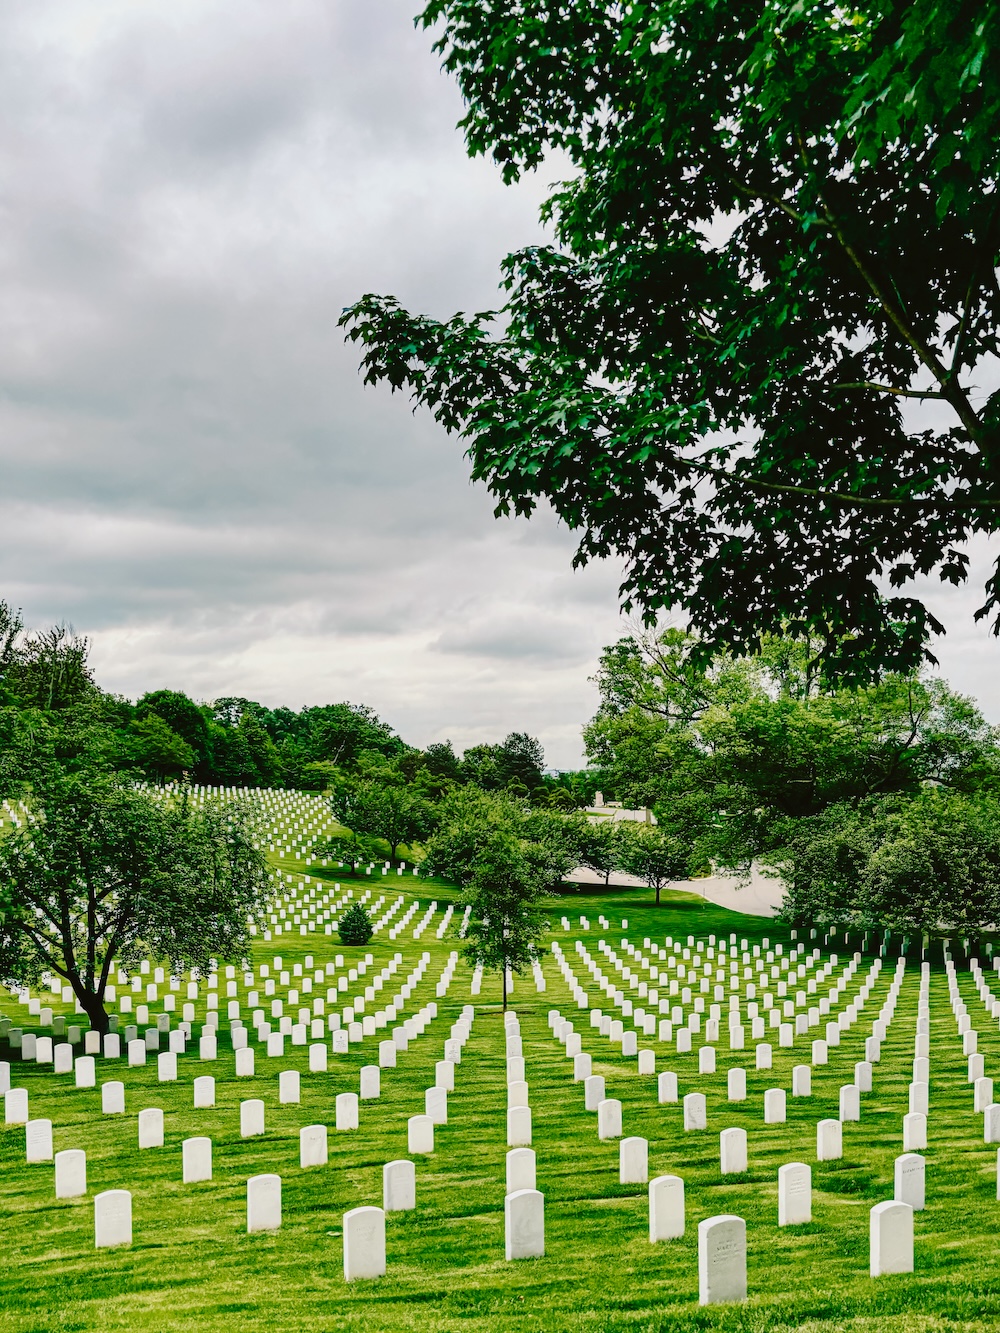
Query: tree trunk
<point x="658" y="895"/>
<point x="504" y="987"/>
<point x="93" y="1007"/>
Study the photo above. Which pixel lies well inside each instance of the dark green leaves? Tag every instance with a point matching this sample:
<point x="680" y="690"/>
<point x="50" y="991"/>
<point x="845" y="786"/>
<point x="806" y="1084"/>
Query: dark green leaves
<point x="778" y="242"/>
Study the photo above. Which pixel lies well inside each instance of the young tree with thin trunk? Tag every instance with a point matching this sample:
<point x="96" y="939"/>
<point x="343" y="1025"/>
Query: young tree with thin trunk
<point x="105" y="874"/>
<point x="506" y="892"/>
<point x="653" y="856"/>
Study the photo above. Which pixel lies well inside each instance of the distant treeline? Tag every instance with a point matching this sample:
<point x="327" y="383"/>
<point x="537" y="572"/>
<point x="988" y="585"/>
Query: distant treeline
<point x="51" y="708"/>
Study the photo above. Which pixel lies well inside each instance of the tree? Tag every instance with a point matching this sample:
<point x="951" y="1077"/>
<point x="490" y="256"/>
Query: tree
<point x="383" y="810"/>
<point x="778" y="243"/>
<point x="726" y="755"/>
<point x="157" y="750"/>
<point x="183" y="716"/>
<point x="506" y="894"/>
<point x="47" y="669"/>
<point x="355" y="927"/>
<point x="926" y="863"/>
<point x="653" y="856"/>
<point x="104" y="874"/>
<point x="599" y="848"/>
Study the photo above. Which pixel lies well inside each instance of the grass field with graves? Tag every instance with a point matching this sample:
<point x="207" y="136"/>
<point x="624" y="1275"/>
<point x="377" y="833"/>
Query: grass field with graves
<point x="193" y="1265"/>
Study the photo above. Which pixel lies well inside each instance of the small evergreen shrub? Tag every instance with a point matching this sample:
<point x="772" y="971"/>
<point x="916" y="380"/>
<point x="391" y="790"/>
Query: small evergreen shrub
<point x="355" y="926"/>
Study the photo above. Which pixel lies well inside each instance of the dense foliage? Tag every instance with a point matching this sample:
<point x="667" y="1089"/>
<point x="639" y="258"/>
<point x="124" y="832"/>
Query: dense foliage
<point x="355" y="927"/>
<point x="731" y="755"/>
<point x="777" y="245"/>
<point x="104" y="874"/>
<point x="927" y="863"/>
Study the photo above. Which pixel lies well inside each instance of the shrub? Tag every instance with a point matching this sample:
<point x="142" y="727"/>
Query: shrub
<point x="355" y="926"/>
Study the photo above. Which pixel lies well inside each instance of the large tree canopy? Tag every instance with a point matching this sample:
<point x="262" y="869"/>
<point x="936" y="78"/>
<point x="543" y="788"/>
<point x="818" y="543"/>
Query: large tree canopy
<point x="753" y="364"/>
<point x="733" y="756"/>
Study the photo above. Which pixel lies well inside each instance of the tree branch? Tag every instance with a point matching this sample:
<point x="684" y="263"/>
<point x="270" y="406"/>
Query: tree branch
<point x="890" y="388"/>
<point x="838" y="497"/>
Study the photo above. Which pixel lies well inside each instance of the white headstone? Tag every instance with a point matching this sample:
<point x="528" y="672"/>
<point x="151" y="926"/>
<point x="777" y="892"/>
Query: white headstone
<point x="733" y="1151"/>
<point x="251" y="1118"/>
<point x="113" y="1098"/>
<point x="318" y="1057"/>
<point x="419" y="1134"/>
<point x="919" y="1098"/>
<point x="891" y="1238"/>
<point x="991" y="1124"/>
<point x="137" y="1052"/>
<point x="520" y="1170"/>
<point x="774" y="1106"/>
<point x="722" y="1260"/>
<point x="736" y="1084"/>
<point x="914" y="1132"/>
<point x="666" y="1086"/>
<point x="71" y="1173"/>
<point x="666" y="1208"/>
<point x="312" y="1146"/>
<point x="850" y="1102"/>
<point x="519" y="1126"/>
<point x="593" y="1091"/>
<point x="264" y="1203"/>
<point x="85" y="1071"/>
<point x="794" y="1194"/>
<point x="364" y="1243"/>
<point x="196" y="1159"/>
<point x="444" y="1075"/>
<point x="399" y="1186"/>
<point x="517" y="1094"/>
<point x="151" y="1127"/>
<point x="695" y="1112"/>
<point x="524" y="1224"/>
<point x="38" y="1141"/>
<point x="204" y="1090"/>
<point x="289" y="1087"/>
<point x="633" y="1161"/>
<point x="829" y="1141"/>
<point x="370" y="1083"/>
<point x="909" y="1180"/>
<point x="706" y="1060"/>
<point x="112" y="1218"/>
<point x="802" y="1081"/>
<point x="609" y="1118"/>
<point x="244" y="1063"/>
<point x="347" y="1110"/>
<point x="436" y="1105"/>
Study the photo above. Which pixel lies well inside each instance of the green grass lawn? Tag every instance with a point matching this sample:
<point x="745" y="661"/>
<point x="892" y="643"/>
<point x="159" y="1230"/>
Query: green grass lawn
<point x="193" y="1267"/>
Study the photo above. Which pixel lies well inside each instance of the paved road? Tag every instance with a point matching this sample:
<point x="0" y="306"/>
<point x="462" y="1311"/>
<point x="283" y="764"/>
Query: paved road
<point x="760" y="897"/>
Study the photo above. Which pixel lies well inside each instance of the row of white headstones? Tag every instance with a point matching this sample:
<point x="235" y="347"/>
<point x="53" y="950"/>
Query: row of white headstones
<point x="38" y="1132"/>
<point x="722" y="1249"/>
<point x="62" y="1055"/>
<point x="364" y="1240"/>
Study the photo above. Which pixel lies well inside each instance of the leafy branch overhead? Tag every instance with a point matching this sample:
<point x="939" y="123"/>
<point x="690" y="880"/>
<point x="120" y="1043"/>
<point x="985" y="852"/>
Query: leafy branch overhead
<point x="753" y="364"/>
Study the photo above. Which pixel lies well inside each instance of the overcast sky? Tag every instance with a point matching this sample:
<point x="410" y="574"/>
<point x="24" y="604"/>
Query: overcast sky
<point x="192" y="471"/>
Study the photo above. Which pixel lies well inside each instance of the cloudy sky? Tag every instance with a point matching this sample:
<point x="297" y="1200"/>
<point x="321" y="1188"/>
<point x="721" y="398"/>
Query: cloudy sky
<point x="190" y="469"/>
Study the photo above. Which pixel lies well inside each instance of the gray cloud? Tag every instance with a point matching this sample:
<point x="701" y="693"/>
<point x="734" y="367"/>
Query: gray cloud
<point x="190" y="467"/>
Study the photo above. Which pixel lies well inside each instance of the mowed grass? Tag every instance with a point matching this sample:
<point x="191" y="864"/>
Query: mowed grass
<point x="193" y="1267"/>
